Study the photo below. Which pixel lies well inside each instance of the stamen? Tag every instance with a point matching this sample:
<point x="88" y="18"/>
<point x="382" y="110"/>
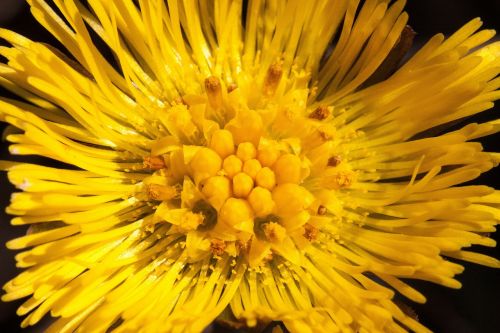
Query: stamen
<point x="322" y="210"/>
<point x="243" y="246"/>
<point x="232" y="87"/>
<point x="334" y="161"/>
<point x="191" y="221"/>
<point x="209" y="215"/>
<point x="273" y="77"/>
<point x="310" y="232"/>
<point x="340" y="180"/>
<point x="154" y="162"/>
<point x="161" y="192"/>
<point x="274" y="232"/>
<point x="324" y="136"/>
<point x="260" y="225"/>
<point x="179" y="101"/>
<point x="217" y="246"/>
<point x="269" y="256"/>
<point x="321" y="113"/>
<point x="214" y="92"/>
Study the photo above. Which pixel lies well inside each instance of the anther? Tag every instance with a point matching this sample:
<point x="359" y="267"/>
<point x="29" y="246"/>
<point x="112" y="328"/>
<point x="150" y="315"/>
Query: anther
<point x="269" y="257"/>
<point x="232" y="87"/>
<point x="153" y="162"/>
<point x="334" y="161"/>
<point x="272" y="80"/>
<point x="161" y="192"/>
<point x="274" y="232"/>
<point x="209" y="215"/>
<point x="179" y="101"/>
<point x="243" y="246"/>
<point x="322" y="210"/>
<point x="310" y="232"/>
<point x="321" y="113"/>
<point x="214" y="91"/>
<point x="260" y="224"/>
<point x="191" y="221"/>
<point x="324" y="136"/>
<point x="217" y="246"/>
<point x="340" y="180"/>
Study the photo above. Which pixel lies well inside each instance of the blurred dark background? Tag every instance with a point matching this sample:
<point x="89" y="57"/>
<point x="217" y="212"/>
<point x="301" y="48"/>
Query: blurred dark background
<point x="473" y="309"/>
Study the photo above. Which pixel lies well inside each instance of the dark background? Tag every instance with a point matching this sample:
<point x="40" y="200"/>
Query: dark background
<point x="473" y="309"/>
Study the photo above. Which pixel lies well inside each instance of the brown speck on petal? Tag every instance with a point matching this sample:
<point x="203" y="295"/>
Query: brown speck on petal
<point x="154" y="162"/>
<point x="322" y="210"/>
<point x="310" y="232"/>
<point x="334" y="161"/>
<point x="217" y="246"/>
<point x="320" y="113"/>
<point x="161" y="192"/>
<point x="273" y="77"/>
<point x="214" y="91"/>
<point x="232" y="87"/>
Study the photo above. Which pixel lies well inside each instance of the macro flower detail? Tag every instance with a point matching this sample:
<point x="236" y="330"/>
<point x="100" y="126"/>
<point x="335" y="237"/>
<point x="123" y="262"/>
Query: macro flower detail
<point x="243" y="160"/>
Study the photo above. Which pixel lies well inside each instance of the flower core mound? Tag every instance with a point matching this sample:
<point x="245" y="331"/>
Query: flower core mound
<point x="256" y="169"/>
<point x="244" y="172"/>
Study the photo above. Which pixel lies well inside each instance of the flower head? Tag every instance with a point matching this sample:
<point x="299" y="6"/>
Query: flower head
<point x="251" y="167"/>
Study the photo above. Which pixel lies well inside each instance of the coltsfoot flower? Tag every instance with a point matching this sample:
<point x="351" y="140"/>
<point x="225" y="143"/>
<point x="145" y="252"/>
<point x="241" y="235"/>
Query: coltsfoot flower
<point x="241" y="159"/>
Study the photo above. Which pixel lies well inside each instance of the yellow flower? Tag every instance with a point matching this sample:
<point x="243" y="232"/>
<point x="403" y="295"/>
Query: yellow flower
<point x="242" y="167"/>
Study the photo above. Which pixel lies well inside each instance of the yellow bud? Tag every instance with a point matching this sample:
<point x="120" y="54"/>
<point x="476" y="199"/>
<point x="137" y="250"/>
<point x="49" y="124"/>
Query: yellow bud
<point x="205" y="163"/>
<point x="251" y="167"/>
<point x="246" y="151"/>
<point x="268" y="156"/>
<point x="291" y="199"/>
<point x="242" y="185"/>
<point x="266" y="178"/>
<point x="217" y="190"/>
<point x="222" y="143"/>
<point x="236" y="212"/>
<point x="287" y="169"/>
<point x="261" y="201"/>
<point x="232" y="165"/>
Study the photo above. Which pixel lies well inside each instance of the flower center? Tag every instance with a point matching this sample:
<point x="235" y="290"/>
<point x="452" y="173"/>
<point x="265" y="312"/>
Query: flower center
<point x="245" y="173"/>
